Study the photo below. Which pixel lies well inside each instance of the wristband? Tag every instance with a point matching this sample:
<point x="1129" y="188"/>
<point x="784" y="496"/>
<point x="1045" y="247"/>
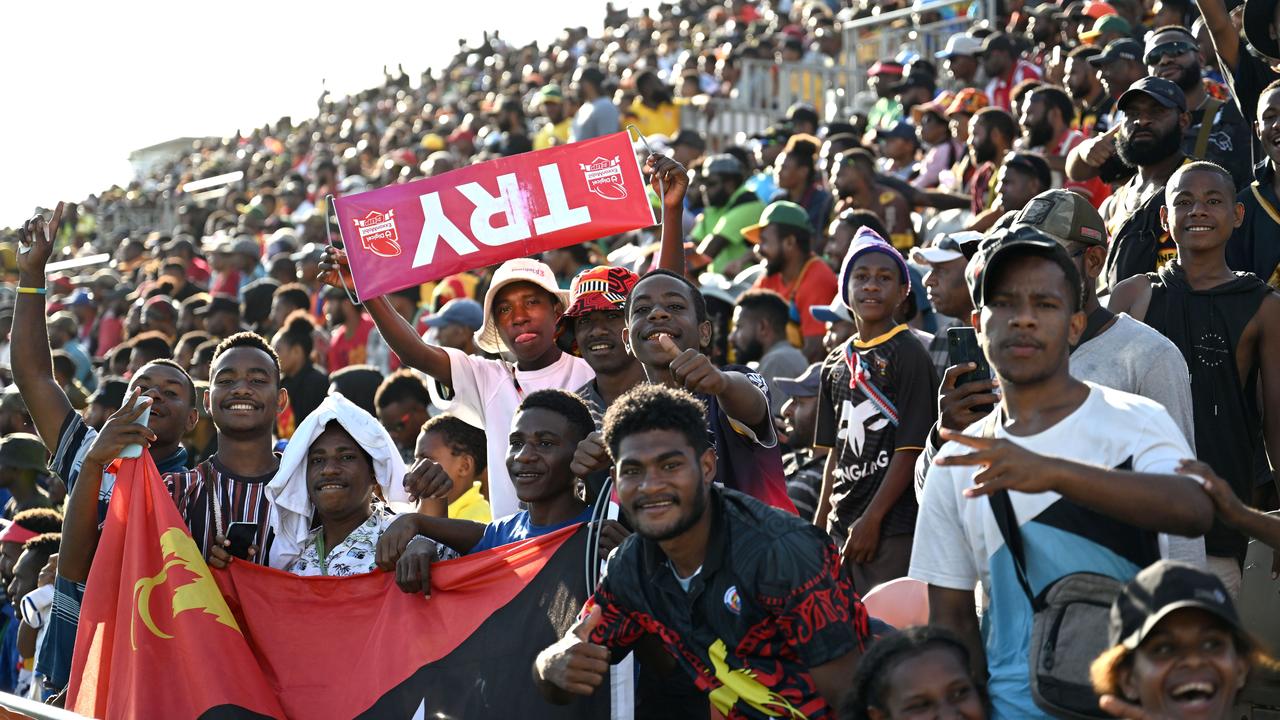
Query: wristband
<point x="32" y="290"/>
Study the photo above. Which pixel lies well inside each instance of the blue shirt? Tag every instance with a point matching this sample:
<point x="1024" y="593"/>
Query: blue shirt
<point x="514" y="528"/>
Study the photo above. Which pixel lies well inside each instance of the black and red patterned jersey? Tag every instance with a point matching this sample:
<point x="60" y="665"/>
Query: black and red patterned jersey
<point x="768" y="604"/>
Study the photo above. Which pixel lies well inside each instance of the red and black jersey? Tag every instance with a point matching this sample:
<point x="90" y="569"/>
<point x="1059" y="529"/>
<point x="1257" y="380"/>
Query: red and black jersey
<point x="768" y="604"/>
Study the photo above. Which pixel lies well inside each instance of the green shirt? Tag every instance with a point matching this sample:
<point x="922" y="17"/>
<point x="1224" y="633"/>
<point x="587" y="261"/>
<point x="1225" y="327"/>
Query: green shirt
<point x="742" y="210"/>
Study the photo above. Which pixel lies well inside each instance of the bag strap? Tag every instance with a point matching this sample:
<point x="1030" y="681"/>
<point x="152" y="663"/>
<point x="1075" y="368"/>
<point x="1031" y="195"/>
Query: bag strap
<point x="1007" y="521"/>
<point x="1211" y="106"/>
<point x="1099" y="317"/>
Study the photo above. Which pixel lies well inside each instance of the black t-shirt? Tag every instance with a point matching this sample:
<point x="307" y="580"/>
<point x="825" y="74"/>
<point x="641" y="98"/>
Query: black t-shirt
<point x="1247" y="80"/>
<point x="865" y="437"/>
<point x="1255" y="245"/>
<point x="307" y="390"/>
<point x="1206" y="325"/>
<point x="768" y="604"/>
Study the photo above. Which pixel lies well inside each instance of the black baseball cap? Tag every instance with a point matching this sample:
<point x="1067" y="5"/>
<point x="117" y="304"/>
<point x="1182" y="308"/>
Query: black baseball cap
<point x="1162" y="91"/>
<point x="1002" y="244"/>
<point x="1122" y="49"/>
<point x="997" y="41"/>
<point x="1161" y="589"/>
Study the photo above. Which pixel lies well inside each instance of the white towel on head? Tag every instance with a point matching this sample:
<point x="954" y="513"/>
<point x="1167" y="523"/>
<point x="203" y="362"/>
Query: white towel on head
<point x="291" y="508"/>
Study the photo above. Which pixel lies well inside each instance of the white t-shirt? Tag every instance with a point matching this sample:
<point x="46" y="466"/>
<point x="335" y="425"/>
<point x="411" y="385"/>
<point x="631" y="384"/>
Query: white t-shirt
<point x="486" y="396"/>
<point x="958" y="543"/>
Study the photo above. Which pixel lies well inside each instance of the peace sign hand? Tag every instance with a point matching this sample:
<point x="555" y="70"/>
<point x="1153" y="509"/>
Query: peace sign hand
<point x="1005" y="465"/>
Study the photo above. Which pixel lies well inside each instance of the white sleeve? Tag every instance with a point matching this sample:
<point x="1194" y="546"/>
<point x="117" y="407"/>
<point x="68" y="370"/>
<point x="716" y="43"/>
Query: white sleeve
<point x="1160" y="445"/>
<point x="940" y="551"/>
<point x="473" y="380"/>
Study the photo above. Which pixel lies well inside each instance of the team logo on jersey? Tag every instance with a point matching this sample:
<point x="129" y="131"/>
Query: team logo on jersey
<point x="733" y="600"/>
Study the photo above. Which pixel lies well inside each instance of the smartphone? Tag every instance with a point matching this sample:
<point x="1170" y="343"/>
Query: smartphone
<point x="962" y="347"/>
<point x="241" y="535"/>
<point x="135" y="450"/>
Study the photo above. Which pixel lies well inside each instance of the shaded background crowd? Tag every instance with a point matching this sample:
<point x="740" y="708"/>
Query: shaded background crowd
<point x="944" y="141"/>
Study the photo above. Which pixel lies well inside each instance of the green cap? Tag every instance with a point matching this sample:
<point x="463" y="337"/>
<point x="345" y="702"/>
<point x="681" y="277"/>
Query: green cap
<point x="550" y="93"/>
<point x="782" y="212"/>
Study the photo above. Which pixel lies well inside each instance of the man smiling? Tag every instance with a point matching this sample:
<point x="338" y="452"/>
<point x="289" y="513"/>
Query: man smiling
<point x="1226" y="326"/>
<point x="709" y="573"/>
<point x="545" y="432"/>
<point x="522" y="307"/>
<point x="668" y="331"/>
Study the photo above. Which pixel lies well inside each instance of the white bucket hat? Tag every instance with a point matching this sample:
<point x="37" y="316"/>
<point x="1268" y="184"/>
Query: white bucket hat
<point x="513" y="271"/>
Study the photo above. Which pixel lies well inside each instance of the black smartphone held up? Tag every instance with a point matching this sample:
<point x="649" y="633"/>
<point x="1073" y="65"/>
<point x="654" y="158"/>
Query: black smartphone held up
<point x="962" y="347"/>
<point x="241" y="535"/>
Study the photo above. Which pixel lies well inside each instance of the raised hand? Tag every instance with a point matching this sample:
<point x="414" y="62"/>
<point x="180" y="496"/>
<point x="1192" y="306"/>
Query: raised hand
<point x="121" y="430"/>
<point x="693" y="370"/>
<point x="35" y="244"/>
<point x="427" y="479"/>
<point x="334" y="268"/>
<point x="590" y="456"/>
<point x="669" y="179"/>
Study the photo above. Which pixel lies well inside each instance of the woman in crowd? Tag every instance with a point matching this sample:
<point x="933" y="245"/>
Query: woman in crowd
<point x="306" y="384"/>
<point x="799" y="180"/>
<point x="921" y="672"/>
<point x="331" y="496"/>
<point x="1179" y="649"/>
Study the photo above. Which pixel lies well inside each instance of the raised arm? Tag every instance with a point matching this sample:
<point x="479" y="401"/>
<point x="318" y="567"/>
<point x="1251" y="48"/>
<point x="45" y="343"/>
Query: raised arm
<point x="670" y="180"/>
<point x="31" y="360"/>
<point x="399" y="334"/>
<point x="80" y="521"/>
<point x="1223" y="33"/>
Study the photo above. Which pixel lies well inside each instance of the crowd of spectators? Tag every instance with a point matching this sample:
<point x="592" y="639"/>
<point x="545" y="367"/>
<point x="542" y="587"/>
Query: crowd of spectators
<point x="884" y="381"/>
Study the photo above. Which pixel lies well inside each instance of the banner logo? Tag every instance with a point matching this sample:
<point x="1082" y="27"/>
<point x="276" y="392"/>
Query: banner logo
<point x="604" y="178"/>
<point x="378" y="233"/>
<point x="200" y="594"/>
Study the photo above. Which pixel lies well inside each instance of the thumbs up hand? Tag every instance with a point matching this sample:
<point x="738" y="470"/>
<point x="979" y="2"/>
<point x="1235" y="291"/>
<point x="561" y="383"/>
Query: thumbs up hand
<point x="693" y="370"/>
<point x="575" y="664"/>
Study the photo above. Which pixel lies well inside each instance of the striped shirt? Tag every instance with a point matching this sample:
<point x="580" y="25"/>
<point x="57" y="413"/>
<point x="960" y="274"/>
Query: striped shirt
<point x="239" y="499"/>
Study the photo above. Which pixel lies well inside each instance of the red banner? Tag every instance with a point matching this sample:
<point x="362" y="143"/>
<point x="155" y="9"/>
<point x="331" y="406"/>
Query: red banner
<point x="163" y="636"/>
<point x="404" y="235"/>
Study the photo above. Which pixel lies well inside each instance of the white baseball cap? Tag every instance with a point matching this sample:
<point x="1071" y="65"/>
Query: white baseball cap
<point x="513" y="271"/>
<point x="961" y="44"/>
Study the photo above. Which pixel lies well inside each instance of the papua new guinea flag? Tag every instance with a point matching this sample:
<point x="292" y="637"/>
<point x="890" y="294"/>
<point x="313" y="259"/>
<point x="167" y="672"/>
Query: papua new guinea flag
<point x="252" y="641"/>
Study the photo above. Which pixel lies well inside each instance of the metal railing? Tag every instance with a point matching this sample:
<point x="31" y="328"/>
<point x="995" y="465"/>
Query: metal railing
<point x="767" y="88"/>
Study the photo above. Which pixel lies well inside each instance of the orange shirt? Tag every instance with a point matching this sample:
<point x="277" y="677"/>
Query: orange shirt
<point x="816" y="285"/>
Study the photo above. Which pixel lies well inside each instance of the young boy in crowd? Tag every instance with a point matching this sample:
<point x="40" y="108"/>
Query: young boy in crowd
<point x="522" y="308"/>
<point x="802" y="466"/>
<point x="1227" y="326"/>
<point x="459" y="449"/>
<point x="875" y="408"/>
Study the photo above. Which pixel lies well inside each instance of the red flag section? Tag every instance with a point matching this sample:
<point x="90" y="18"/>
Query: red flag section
<point x="156" y="637"/>
<point x="161" y="636"/>
<point x="361" y="636"/>
<point x="404" y="235"/>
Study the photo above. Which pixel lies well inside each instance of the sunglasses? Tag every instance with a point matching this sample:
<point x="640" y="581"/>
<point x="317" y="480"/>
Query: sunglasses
<point x="1169" y="49"/>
